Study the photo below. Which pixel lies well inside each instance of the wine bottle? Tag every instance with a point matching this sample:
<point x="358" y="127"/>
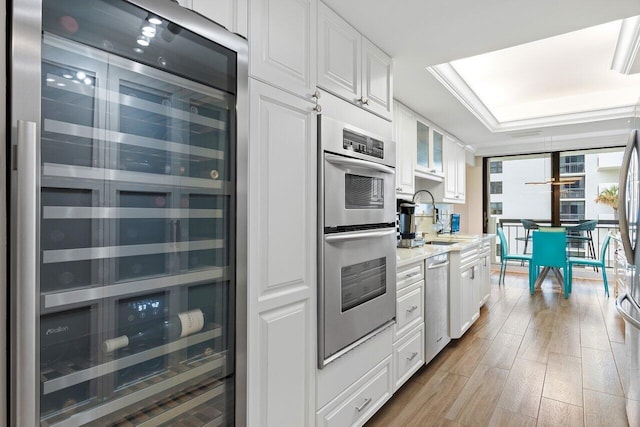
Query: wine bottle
<point x="184" y="324"/>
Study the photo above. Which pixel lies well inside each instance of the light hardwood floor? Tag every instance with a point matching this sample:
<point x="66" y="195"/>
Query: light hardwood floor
<point x="535" y="360"/>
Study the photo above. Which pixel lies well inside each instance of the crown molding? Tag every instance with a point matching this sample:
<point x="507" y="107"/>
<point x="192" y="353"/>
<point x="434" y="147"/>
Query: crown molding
<point x="627" y="47"/>
<point x="454" y="83"/>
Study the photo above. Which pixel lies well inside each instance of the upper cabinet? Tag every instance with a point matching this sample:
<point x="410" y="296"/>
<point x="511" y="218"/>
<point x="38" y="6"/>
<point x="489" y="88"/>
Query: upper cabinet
<point x="231" y="14"/>
<point x="429" y="152"/>
<point x="455" y="171"/>
<point x="405" y="135"/>
<point x="282" y="44"/>
<point x="352" y="67"/>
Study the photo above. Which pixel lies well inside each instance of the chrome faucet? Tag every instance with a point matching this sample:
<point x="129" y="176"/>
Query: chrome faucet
<point x="433" y="203"/>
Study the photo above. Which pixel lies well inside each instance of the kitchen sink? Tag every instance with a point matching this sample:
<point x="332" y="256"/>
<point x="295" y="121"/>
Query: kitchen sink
<point x="442" y="243"/>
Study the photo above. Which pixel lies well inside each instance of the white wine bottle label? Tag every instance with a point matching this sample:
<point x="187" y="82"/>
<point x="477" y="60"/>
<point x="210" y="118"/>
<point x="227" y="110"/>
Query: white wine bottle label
<point x="115" y="343"/>
<point x="191" y="322"/>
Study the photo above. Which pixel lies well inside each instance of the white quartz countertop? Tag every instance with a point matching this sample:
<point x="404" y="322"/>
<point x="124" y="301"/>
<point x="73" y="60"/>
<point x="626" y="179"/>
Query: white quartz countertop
<point x="407" y="256"/>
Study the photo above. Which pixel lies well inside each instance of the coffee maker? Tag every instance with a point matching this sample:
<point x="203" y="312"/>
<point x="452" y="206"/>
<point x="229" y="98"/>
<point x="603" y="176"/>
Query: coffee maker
<point x="407" y="225"/>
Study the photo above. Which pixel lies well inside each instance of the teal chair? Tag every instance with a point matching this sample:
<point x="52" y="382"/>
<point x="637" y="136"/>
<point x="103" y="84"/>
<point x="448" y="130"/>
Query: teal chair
<point x="549" y="250"/>
<point x="506" y="256"/>
<point x="593" y="263"/>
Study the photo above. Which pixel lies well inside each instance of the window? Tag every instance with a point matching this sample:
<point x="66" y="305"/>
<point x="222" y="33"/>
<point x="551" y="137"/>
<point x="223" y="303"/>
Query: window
<point x="496" y="187"/>
<point x="495" y="208"/>
<point x="495" y="167"/>
<point x="571" y="210"/>
<point x="573" y="191"/>
<point x="571" y="164"/>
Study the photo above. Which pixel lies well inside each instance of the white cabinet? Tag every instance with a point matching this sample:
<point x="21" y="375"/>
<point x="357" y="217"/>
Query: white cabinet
<point x="405" y="134"/>
<point x="281" y="291"/>
<point x="408" y="332"/>
<point x="352" y="67"/>
<point x="429" y="152"/>
<point x="231" y="14"/>
<point x="464" y="294"/>
<point x="454" y="171"/>
<point x="282" y="44"/>
<point x="485" y="271"/>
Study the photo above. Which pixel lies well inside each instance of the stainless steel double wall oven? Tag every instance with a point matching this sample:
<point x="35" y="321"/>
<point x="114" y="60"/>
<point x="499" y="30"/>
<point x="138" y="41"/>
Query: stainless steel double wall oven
<point x="357" y="234"/>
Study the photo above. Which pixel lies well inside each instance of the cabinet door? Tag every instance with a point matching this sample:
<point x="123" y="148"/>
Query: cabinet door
<point x="406" y="149"/>
<point x="376" y="80"/>
<point x="476" y="278"/>
<point x="423" y="148"/>
<point x="437" y="165"/>
<point x="461" y="174"/>
<point x="281" y="258"/>
<point x="231" y="14"/>
<point x="466" y="299"/>
<point x="450" y="169"/>
<point x="436" y="316"/>
<point x="282" y="44"/>
<point x="339" y="55"/>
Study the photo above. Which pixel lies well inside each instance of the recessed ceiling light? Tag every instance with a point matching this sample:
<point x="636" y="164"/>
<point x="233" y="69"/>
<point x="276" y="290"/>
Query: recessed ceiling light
<point x="81" y="75"/>
<point x="67" y="75"/>
<point x="51" y="79"/>
<point x="75" y="81"/>
<point x="61" y="84"/>
<point x="87" y="81"/>
<point x="143" y="41"/>
<point x="154" y="20"/>
<point x="138" y="50"/>
<point x="148" y="30"/>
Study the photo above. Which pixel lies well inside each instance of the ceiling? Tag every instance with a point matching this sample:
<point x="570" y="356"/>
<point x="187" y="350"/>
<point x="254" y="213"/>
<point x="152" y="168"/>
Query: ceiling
<point x="421" y="34"/>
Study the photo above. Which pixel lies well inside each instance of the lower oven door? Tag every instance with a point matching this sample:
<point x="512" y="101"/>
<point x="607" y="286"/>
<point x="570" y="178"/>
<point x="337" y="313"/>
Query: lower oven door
<point x="358" y="192"/>
<point x="358" y="290"/>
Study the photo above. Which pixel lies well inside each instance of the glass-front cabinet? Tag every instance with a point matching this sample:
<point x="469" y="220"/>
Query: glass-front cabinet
<point x="137" y="212"/>
<point x="429" y="159"/>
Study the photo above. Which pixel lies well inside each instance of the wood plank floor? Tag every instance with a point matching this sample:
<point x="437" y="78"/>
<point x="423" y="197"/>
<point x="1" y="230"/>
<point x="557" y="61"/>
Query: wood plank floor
<point x="528" y="361"/>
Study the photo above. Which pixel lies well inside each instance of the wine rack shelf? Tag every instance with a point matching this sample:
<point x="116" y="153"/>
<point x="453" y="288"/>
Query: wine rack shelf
<point x="63" y="375"/>
<point x="139" y="396"/>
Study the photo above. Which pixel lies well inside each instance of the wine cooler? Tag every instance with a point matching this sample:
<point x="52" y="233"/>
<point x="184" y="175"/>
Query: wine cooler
<point x="128" y="199"/>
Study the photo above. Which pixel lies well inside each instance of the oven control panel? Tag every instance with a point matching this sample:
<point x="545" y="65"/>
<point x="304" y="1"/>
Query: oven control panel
<point x="362" y="144"/>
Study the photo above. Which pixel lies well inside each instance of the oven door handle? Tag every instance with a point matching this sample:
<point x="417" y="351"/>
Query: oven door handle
<point x="339" y="160"/>
<point x="358" y="235"/>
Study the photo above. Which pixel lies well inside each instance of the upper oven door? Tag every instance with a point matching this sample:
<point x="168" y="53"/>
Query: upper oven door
<point x="357" y="192"/>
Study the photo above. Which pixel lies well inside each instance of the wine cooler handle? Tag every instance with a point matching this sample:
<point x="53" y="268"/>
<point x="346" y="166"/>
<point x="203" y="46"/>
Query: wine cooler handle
<point x="26" y="313"/>
<point x="629" y="248"/>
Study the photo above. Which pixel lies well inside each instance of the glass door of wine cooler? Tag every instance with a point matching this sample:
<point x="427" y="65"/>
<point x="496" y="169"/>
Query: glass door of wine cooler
<point x="135" y="200"/>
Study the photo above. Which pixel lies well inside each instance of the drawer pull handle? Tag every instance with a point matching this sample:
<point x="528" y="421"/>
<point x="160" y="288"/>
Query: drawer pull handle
<point x="364" y="404"/>
<point x="412" y="309"/>
<point x="415" y="273"/>
<point x="413" y="356"/>
<point x="439" y="339"/>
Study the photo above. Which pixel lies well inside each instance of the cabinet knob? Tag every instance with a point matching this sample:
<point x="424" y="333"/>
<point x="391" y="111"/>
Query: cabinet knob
<point x="364" y="100"/>
<point x="316" y="95"/>
<point x="398" y="188"/>
<point x="317" y="108"/>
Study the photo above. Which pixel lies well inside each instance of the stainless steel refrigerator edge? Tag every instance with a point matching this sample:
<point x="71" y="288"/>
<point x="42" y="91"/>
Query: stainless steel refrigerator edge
<point x="628" y="304"/>
<point x="25" y="127"/>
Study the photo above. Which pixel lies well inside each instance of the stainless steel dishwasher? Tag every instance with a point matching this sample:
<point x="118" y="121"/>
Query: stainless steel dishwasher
<point x="436" y="305"/>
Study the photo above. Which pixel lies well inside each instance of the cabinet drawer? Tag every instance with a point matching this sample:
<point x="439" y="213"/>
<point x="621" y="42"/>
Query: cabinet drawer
<point x="409" y="309"/>
<point x="408" y="356"/>
<point x="409" y="274"/>
<point x="360" y="402"/>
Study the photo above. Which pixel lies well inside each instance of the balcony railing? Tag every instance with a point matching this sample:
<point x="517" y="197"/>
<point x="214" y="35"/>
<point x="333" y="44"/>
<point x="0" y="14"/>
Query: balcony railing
<point x="574" y="193"/>
<point x="515" y="235"/>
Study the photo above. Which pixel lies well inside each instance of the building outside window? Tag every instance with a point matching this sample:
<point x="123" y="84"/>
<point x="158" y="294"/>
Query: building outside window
<point x="495" y="167"/>
<point x="495" y="187"/>
<point x="495" y="208"/>
<point x="570" y="164"/>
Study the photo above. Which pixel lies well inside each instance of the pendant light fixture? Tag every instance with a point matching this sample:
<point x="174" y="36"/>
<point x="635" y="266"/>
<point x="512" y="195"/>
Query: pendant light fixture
<point x="548" y="144"/>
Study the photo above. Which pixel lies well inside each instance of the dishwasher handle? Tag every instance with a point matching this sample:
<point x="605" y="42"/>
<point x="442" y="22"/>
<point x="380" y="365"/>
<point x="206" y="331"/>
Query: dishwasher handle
<point x="625" y="315"/>
<point x="438" y="265"/>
